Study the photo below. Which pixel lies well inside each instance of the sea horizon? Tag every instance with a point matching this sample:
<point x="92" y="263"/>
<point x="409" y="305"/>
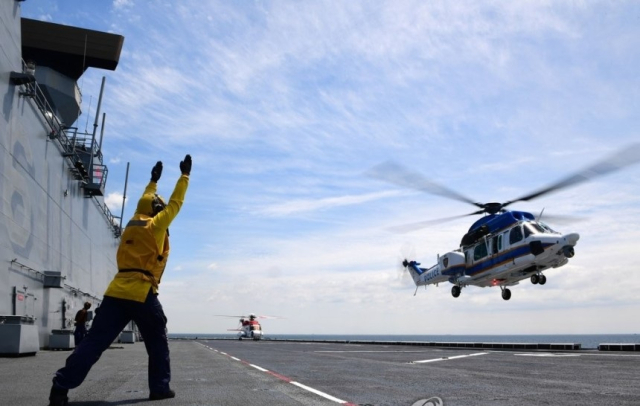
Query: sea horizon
<point x="586" y="340"/>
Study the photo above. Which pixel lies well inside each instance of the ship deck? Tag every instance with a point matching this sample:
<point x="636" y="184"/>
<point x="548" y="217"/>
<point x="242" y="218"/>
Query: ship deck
<point x="230" y="372"/>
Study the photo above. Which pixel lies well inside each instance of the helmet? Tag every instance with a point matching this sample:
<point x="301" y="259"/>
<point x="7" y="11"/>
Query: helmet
<point x="150" y="204"/>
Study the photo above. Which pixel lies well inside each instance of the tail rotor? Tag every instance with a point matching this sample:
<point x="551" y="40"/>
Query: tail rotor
<point x="407" y="253"/>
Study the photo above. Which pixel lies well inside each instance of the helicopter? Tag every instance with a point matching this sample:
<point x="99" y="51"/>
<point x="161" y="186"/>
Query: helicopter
<point x="504" y="246"/>
<point x="249" y="327"/>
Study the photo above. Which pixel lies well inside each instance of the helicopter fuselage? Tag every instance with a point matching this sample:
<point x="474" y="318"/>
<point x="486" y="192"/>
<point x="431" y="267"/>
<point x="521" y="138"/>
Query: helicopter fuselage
<point x="499" y="250"/>
<point x="251" y="330"/>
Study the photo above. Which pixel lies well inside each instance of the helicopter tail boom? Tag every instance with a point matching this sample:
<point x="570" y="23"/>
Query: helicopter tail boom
<point x="424" y="276"/>
<point x="415" y="271"/>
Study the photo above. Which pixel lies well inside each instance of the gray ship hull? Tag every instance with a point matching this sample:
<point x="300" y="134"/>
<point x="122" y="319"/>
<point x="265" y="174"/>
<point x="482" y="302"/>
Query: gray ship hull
<point x="57" y="242"/>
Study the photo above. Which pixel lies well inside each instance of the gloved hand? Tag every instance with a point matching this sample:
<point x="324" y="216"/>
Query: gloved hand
<point x="156" y="172"/>
<point x="185" y="166"/>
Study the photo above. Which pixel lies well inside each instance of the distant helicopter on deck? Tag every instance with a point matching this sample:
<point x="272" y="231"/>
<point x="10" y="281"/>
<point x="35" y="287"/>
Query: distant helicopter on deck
<point x="249" y="327"/>
<point x="503" y="247"/>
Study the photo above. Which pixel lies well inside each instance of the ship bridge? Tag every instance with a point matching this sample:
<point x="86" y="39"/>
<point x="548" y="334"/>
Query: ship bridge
<point x="56" y="56"/>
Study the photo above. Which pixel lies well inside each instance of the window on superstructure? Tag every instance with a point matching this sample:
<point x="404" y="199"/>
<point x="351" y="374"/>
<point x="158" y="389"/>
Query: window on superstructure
<point x="480" y="251"/>
<point x="515" y="234"/>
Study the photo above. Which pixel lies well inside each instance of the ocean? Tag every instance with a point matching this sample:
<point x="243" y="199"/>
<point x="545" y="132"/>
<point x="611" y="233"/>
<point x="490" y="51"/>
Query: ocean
<point x="586" y="340"/>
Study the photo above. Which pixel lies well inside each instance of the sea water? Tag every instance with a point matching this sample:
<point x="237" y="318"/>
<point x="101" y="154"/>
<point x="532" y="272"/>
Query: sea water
<point x="586" y="340"/>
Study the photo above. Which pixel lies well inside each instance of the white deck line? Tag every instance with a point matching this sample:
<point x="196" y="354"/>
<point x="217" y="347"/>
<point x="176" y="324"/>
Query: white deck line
<point x="319" y="393"/>
<point x="259" y="368"/>
<point x="448" y="358"/>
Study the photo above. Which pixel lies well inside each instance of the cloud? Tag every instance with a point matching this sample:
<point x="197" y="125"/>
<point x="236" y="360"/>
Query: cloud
<point x="120" y="4"/>
<point x="113" y="200"/>
<point x="300" y="206"/>
<point x="283" y="108"/>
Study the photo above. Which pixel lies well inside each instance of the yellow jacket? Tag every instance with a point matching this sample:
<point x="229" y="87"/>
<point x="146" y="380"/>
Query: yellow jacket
<point x="144" y="245"/>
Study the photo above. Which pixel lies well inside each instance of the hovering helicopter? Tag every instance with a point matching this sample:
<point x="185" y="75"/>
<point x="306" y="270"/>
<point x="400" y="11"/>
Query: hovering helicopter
<point x="249" y="327"/>
<point x="503" y="247"/>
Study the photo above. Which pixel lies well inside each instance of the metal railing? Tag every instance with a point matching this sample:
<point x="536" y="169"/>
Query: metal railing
<point x="73" y="145"/>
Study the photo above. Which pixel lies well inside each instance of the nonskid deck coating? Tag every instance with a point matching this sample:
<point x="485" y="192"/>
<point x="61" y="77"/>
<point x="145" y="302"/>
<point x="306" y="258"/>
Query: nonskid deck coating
<point x="230" y="372"/>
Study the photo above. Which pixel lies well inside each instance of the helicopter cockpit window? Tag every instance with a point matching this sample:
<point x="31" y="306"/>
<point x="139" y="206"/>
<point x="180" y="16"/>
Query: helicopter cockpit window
<point x="515" y="235"/>
<point x="480" y="251"/>
<point x="537" y="227"/>
<point x="546" y="228"/>
<point x="530" y="228"/>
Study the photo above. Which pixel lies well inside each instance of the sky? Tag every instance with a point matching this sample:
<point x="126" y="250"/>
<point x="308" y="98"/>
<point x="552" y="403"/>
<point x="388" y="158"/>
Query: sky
<point x="284" y="107"/>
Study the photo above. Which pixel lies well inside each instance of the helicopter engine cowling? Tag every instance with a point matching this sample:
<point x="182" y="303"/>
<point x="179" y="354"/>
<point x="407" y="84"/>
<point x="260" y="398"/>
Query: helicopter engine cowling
<point x="568" y="251"/>
<point x="451" y="260"/>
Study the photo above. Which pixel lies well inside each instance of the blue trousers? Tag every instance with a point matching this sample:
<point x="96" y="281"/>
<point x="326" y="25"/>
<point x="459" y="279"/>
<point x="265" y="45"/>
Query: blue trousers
<point x="111" y="318"/>
<point x="79" y="333"/>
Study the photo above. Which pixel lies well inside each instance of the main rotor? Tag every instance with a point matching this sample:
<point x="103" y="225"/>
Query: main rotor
<point x="396" y="174"/>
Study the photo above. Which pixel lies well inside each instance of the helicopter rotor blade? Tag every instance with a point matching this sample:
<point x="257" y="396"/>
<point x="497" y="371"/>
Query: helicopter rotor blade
<point x="249" y="315"/>
<point x="621" y="159"/>
<point x="406" y="228"/>
<point x="561" y="220"/>
<point x="396" y="174"/>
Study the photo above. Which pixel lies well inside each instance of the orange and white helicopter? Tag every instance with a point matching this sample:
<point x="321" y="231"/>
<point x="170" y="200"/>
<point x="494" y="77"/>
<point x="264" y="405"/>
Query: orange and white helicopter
<point x="503" y="247"/>
<point x="249" y="327"/>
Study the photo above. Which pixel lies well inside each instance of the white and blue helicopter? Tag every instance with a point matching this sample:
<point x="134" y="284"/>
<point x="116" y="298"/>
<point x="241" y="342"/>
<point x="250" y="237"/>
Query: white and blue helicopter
<point x="503" y="247"/>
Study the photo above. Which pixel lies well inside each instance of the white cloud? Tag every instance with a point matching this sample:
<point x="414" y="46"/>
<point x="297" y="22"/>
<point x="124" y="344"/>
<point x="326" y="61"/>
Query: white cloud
<point x="113" y="200"/>
<point x="283" y="108"/>
<point x="299" y="206"/>
<point x="119" y="4"/>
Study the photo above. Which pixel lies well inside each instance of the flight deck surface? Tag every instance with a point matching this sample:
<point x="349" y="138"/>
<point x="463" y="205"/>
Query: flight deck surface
<point x="231" y="372"/>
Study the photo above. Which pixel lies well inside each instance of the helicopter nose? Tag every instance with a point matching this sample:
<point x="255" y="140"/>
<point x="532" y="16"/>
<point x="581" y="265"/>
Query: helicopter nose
<point x="572" y="238"/>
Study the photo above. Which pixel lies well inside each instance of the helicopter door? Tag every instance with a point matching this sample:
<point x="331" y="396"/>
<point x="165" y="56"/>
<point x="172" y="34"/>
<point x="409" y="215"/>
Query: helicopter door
<point x="480" y="251"/>
<point x="496" y="245"/>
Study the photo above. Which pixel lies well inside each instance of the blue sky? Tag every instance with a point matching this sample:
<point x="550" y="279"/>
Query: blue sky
<point x="284" y="105"/>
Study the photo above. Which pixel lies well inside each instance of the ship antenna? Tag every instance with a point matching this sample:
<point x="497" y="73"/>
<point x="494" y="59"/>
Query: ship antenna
<point x="124" y="196"/>
<point x="95" y="127"/>
<point x="86" y="126"/>
<point x="84" y="59"/>
<point x="84" y="63"/>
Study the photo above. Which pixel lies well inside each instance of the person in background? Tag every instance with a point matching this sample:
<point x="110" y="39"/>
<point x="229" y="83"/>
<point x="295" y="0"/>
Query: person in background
<point x="81" y="323"/>
<point x="133" y="293"/>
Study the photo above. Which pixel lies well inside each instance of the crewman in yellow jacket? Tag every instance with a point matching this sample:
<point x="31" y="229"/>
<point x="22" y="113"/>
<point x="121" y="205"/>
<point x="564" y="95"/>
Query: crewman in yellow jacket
<point x="133" y="293"/>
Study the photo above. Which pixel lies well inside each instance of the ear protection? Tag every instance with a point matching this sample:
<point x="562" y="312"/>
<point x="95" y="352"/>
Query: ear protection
<point x="157" y="204"/>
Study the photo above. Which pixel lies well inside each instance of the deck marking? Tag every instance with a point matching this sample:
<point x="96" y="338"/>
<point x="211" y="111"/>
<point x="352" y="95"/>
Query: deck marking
<point x="317" y="392"/>
<point x="372" y="351"/>
<point x="545" y="354"/>
<point x="288" y="380"/>
<point x="259" y="368"/>
<point x="447" y="358"/>
<point x="277" y="375"/>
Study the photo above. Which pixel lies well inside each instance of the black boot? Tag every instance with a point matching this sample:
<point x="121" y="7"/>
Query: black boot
<point x="160" y="396"/>
<point x="58" y="396"/>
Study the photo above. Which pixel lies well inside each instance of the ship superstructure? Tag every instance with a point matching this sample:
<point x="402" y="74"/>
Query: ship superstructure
<point x="58" y="239"/>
